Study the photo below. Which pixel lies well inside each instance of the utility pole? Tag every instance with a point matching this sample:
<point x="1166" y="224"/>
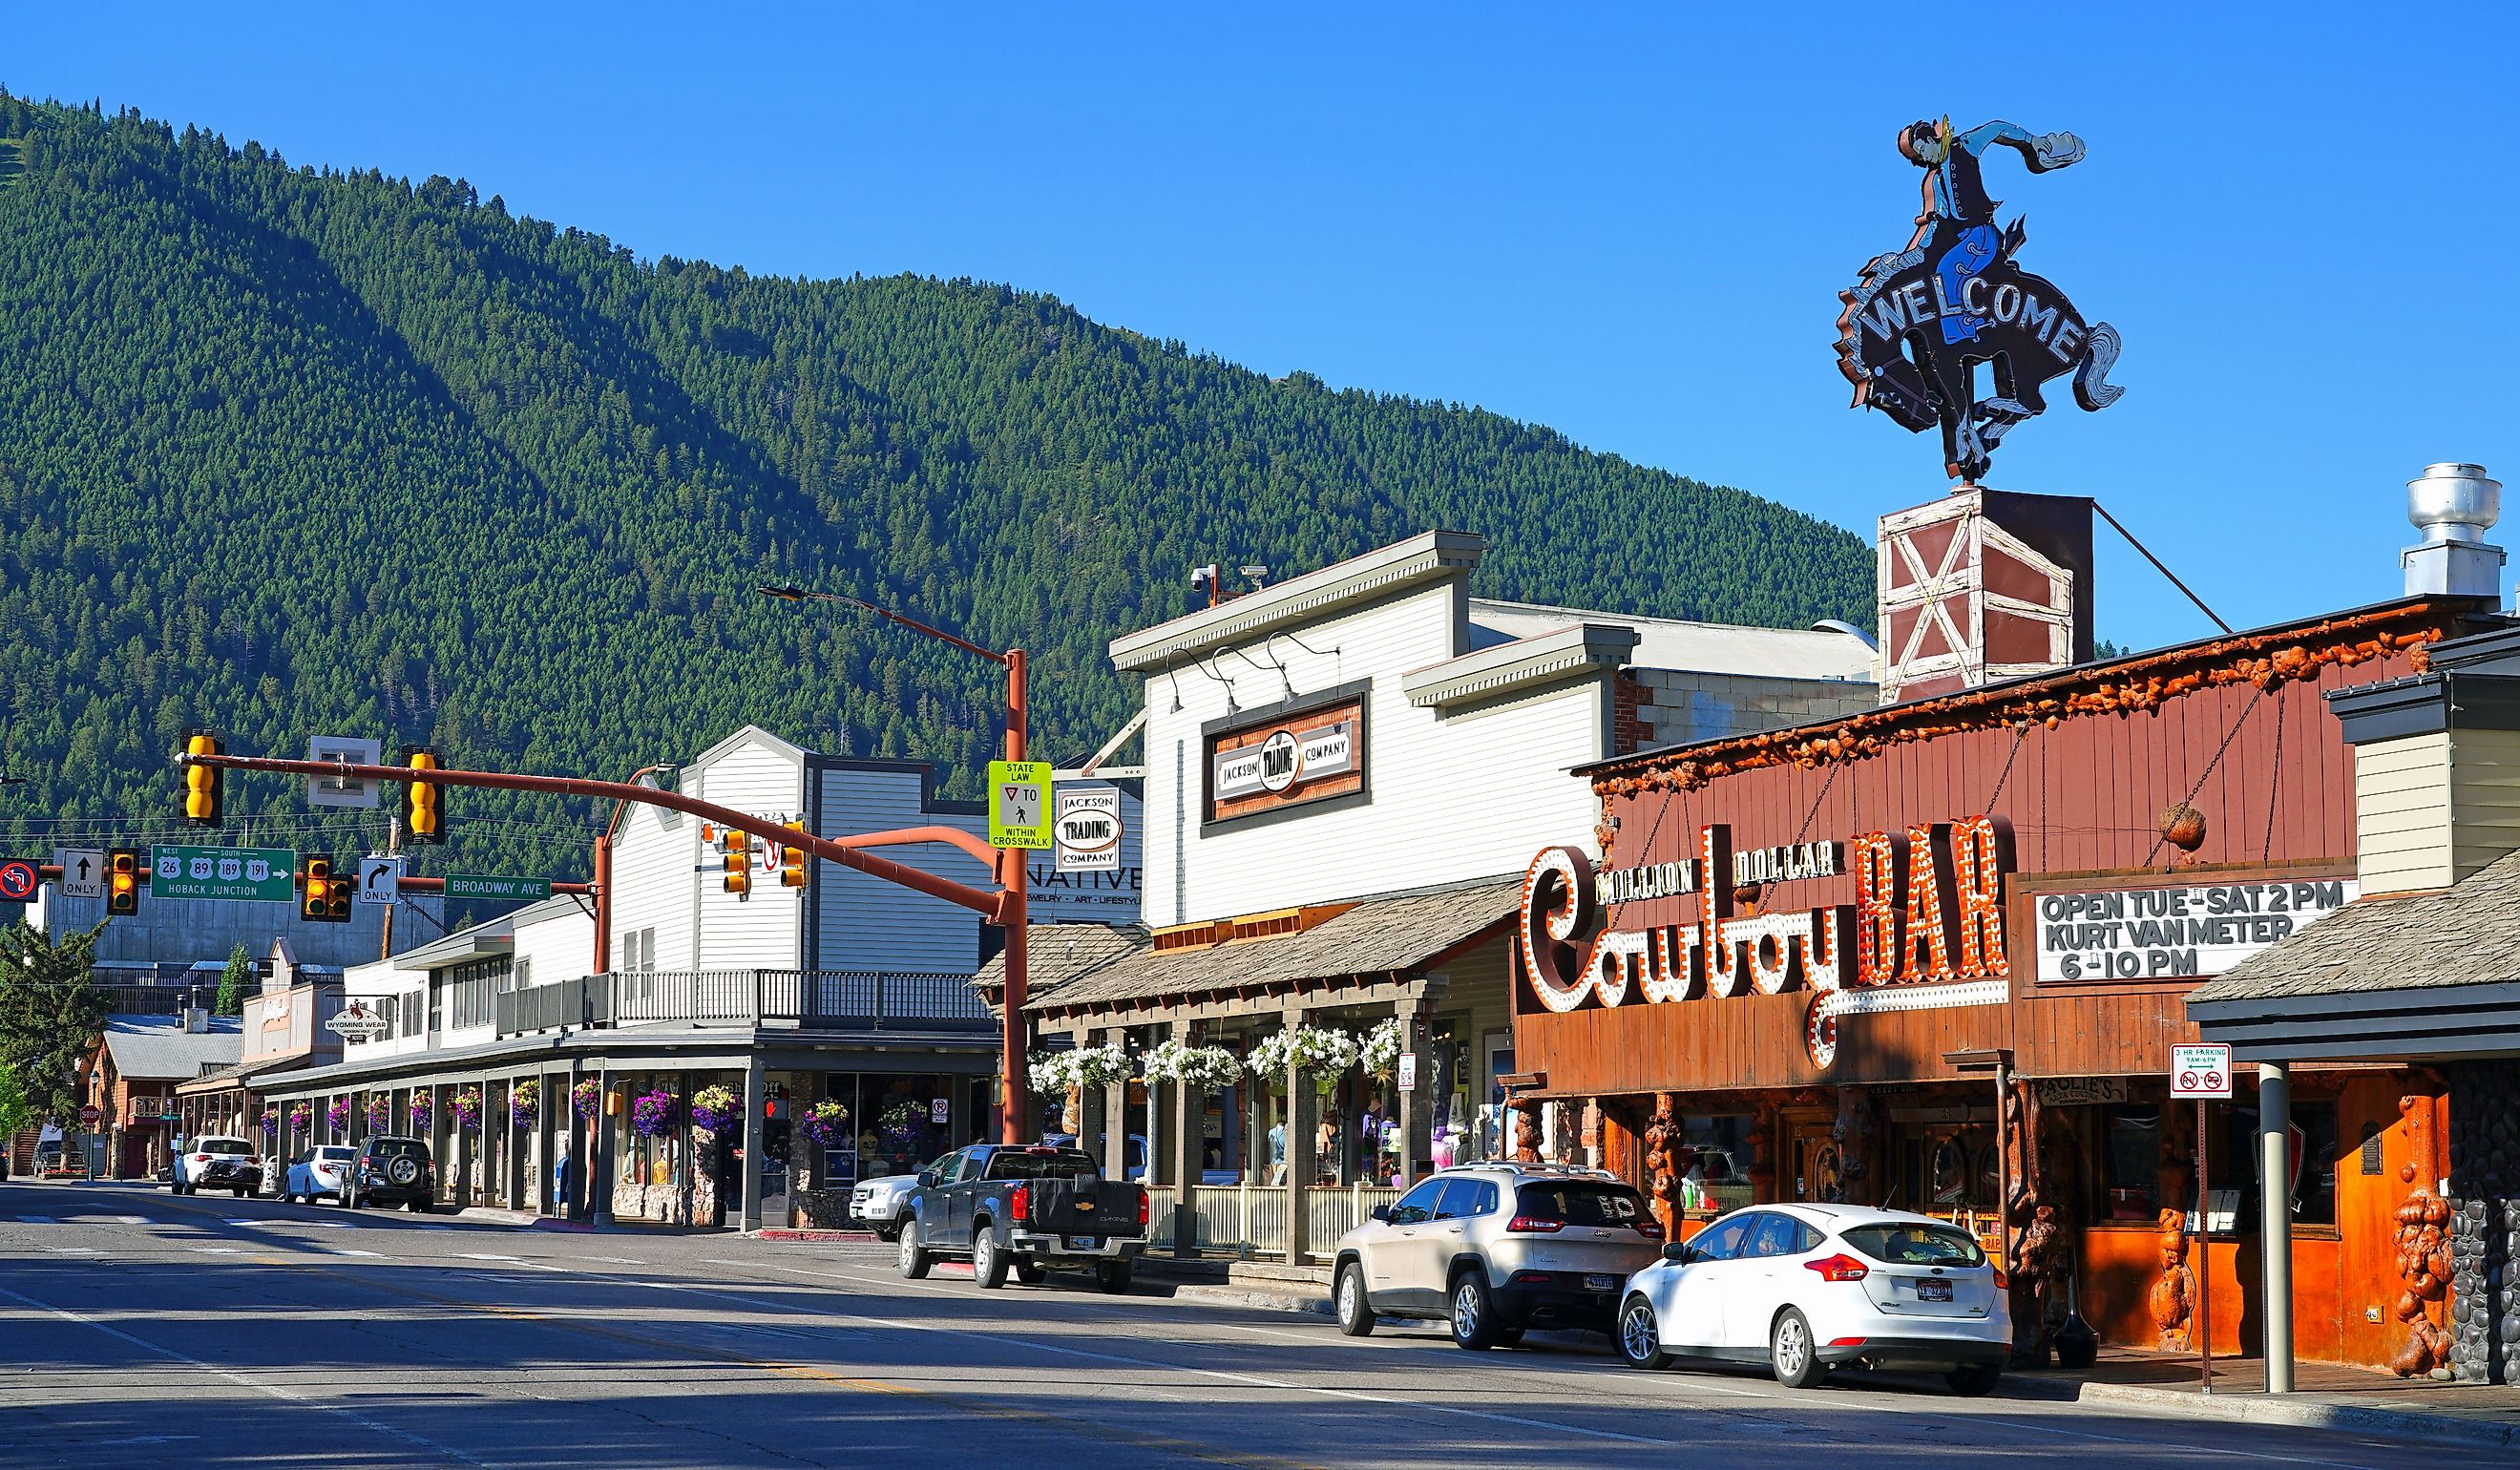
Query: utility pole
<point x="394" y="849"/>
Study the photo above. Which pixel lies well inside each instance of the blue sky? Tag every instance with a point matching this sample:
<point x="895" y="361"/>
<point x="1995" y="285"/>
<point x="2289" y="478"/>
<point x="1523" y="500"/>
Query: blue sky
<point x="1626" y="224"/>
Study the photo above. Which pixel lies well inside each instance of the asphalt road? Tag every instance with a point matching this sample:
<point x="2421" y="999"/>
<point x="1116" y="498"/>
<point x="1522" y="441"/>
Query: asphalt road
<point x="142" y="1329"/>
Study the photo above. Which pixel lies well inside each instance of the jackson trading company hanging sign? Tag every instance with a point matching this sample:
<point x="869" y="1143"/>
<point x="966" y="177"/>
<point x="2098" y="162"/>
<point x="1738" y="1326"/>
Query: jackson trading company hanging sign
<point x="1925" y="930"/>
<point x="1302" y="758"/>
<point x="1922" y="318"/>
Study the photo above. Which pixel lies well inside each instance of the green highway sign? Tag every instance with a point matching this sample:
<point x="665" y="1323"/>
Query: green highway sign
<point x="266" y="874"/>
<point x="471" y="885"/>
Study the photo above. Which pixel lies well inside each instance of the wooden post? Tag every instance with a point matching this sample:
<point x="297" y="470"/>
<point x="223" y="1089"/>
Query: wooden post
<point x="1190" y="1153"/>
<point x="1416" y="1110"/>
<point x="1301" y="1164"/>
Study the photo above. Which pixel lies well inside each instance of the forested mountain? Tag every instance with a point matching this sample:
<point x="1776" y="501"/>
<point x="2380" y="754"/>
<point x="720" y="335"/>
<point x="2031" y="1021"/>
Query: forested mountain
<point x="289" y="451"/>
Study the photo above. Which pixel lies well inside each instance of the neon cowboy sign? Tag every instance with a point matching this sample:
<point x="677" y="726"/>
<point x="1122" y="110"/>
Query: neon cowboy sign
<point x="1925" y="930"/>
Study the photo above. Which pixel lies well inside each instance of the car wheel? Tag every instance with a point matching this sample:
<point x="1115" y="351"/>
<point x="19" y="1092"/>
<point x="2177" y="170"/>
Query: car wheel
<point x="988" y="1258"/>
<point x="914" y="1260"/>
<point x="1509" y="1337"/>
<point x="242" y="1191"/>
<point x="1474" y="1312"/>
<point x="1640" y="1336"/>
<point x="350" y="1199"/>
<point x="1355" y="1309"/>
<point x="1112" y="1276"/>
<point x="1971" y="1379"/>
<point x="889" y="1232"/>
<point x="1792" y="1352"/>
<point x="1030" y="1274"/>
<point x="421" y="1207"/>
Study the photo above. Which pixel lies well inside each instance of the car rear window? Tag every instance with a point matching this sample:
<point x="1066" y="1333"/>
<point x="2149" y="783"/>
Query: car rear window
<point x="1581" y="1204"/>
<point x="335" y="1152"/>
<point x="1060" y="1164"/>
<point x="398" y="1148"/>
<point x="226" y="1146"/>
<point x="1916" y="1244"/>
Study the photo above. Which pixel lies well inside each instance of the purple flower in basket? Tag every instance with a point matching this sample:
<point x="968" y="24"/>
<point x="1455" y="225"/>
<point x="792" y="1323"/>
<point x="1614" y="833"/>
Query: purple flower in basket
<point x="271" y="1123"/>
<point x="338" y="1114"/>
<point x="588" y="1097"/>
<point x="526" y="1105"/>
<point x="714" y="1108"/>
<point x="379" y="1111"/>
<point x="902" y="1125"/>
<point x="301" y="1116"/>
<point x="826" y="1124"/>
<point x="653" y="1114"/>
<point x="465" y="1105"/>
<point x="423" y="1111"/>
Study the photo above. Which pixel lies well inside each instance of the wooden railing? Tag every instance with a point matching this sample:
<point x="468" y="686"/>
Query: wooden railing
<point x="837" y="1000"/>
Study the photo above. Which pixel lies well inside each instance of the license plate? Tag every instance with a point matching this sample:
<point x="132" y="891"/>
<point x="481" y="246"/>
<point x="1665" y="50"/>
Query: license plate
<point x="1085" y="1242"/>
<point x="1933" y="1291"/>
<point x="1601" y="1284"/>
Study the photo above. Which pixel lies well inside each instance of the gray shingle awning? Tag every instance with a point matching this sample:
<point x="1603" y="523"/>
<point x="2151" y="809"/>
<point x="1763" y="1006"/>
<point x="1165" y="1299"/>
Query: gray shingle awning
<point x="2431" y="975"/>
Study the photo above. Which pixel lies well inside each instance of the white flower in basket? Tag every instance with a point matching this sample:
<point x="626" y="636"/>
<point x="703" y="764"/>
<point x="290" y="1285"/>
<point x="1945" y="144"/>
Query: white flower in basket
<point x="1099" y="1067"/>
<point x="1380" y="1053"/>
<point x="1205" y="1069"/>
<point x="1317" y="1051"/>
<point x="1051" y="1073"/>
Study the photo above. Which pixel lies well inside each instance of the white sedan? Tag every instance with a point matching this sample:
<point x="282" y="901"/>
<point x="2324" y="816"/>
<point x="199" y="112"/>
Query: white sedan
<point x="320" y="1170"/>
<point x="1807" y="1289"/>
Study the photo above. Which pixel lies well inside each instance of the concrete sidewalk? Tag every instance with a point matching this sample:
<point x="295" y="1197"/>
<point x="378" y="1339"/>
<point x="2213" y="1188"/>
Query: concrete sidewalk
<point x="2328" y="1396"/>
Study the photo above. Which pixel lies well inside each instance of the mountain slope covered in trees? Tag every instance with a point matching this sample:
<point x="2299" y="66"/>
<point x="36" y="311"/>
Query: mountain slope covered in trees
<point x="289" y="451"/>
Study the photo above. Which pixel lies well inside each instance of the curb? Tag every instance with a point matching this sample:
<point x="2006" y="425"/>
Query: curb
<point x="783" y="1234"/>
<point x="2303" y="1411"/>
<point x="1246" y="1296"/>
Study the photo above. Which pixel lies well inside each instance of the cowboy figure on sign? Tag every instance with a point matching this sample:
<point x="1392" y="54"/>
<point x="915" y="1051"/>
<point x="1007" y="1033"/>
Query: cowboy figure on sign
<point x="1916" y="328"/>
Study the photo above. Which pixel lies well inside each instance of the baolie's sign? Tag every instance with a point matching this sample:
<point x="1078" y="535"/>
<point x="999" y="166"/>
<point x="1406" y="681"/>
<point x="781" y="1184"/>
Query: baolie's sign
<point x="1916" y="328"/>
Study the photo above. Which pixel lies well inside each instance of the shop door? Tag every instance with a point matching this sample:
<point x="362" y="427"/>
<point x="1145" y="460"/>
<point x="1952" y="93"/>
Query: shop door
<point x="1814" y="1154"/>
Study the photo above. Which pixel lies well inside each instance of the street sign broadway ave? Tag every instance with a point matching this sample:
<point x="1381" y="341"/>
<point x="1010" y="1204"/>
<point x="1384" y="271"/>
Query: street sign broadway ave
<point x="470" y="886"/>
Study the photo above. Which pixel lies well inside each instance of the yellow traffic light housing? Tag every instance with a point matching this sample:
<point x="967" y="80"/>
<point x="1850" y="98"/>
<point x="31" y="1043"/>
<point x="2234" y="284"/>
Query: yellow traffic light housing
<point x="422" y="814"/>
<point x="203" y="797"/>
<point x="327" y="899"/>
<point x="737" y="862"/>
<point x="122" y="871"/>
<point x="793" y="871"/>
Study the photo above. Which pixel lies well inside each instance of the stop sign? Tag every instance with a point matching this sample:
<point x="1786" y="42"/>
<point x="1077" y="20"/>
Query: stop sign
<point x="91" y="1115"/>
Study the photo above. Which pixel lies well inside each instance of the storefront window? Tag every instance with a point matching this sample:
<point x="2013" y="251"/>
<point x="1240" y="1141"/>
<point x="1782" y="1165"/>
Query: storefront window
<point x="2130" y="1163"/>
<point x="2317" y="1150"/>
<point x="1713" y="1162"/>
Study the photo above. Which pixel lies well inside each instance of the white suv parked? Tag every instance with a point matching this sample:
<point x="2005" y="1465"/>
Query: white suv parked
<point x="1806" y="1288"/>
<point x="1495" y="1249"/>
<point x="216" y="1161"/>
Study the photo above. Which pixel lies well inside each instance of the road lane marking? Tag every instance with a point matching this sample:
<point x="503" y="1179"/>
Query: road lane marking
<point x="135" y="1220"/>
<point x="74" y="1250"/>
<point x="485" y="1256"/>
<point x="614" y="1260"/>
<point x="273" y="1388"/>
<point x="344" y="1250"/>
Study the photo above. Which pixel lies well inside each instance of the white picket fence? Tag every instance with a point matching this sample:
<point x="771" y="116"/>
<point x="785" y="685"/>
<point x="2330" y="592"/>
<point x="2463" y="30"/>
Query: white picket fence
<point x="1251" y="1220"/>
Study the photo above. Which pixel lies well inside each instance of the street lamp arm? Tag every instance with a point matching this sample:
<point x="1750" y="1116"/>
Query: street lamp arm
<point x="802" y="595"/>
<point x="952" y="836"/>
<point x="992" y="903"/>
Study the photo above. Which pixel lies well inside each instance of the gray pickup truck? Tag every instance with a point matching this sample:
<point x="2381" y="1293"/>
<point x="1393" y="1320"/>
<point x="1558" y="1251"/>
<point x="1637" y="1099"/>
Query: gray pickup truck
<point x="1030" y="1209"/>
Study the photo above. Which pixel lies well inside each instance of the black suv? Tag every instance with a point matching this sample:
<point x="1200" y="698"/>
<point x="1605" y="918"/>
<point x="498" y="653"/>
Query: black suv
<point x="393" y="1171"/>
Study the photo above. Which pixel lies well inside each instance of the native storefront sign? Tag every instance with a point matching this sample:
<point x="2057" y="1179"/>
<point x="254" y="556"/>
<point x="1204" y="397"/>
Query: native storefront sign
<point x="1926" y="929"/>
<point x="1914" y="331"/>
<point x="2174" y="934"/>
<point x="1287" y="762"/>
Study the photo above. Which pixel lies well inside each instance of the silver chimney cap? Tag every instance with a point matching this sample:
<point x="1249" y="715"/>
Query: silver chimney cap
<point x="2452" y="502"/>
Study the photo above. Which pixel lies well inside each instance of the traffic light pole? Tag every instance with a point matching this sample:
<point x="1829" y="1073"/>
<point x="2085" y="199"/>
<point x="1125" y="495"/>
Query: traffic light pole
<point x="1003" y="905"/>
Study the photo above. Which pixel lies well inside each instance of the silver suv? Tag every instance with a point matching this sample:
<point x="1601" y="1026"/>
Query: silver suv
<point x="1497" y="1248"/>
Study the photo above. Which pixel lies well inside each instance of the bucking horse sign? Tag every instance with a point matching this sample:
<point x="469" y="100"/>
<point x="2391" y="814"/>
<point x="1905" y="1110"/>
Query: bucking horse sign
<point x="1918" y="324"/>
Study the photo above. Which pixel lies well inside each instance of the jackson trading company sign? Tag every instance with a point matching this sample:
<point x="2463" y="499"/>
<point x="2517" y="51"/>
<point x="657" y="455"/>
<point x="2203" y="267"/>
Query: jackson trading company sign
<point x="1916" y="327"/>
<point x="1305" y="758"/>
<point x="1925" y="930"/>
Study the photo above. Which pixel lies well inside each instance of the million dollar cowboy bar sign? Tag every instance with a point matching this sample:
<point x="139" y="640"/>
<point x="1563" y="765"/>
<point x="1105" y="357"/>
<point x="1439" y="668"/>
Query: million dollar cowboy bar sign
<point x="1925" y="930"/>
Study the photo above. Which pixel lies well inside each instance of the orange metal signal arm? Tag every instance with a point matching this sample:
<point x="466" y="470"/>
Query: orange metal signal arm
<point x="991" y="903"/>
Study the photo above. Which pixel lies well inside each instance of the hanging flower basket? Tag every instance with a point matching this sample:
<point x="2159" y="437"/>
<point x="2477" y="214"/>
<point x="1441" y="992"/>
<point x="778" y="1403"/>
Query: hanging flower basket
<point x="1380" y="1052"/>
<point x="826" y="1124"/>
<point x="714" y="1108"/>
<point x="652" y="1115"/>
<point x="1204" y="1069"/>
<point x="301" y="1116"/>
<point x="336" y="1114"/>
<point x="380" y="1112"/>
<point x="588" y="1097"/>
<point x="271" y="1123"/>
<point x="465" y="1105"/>
<point x="1082" y="1067"/>
<point x="423" y="1112"/>
<point x="1317" y="1051"/>
<point x="901" y="1124"/>
<point x="526" y="1105"/>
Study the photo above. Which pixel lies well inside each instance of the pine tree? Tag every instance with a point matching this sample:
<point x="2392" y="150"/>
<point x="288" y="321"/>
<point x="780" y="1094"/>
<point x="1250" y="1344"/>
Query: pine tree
<point x="52" y="1012"/>
<point x="234" y="981"/>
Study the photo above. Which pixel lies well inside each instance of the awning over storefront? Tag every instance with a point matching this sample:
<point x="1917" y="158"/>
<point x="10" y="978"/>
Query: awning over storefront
<point x="1377" y="940"/>
<point x="2430" y="975"/>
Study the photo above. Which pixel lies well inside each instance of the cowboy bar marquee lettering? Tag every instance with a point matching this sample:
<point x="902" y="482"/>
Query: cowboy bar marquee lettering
<point x="1928" y="911"/>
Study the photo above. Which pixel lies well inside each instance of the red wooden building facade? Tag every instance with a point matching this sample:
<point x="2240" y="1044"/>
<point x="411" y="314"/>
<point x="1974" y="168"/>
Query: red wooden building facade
<point x="1955" y="938"/>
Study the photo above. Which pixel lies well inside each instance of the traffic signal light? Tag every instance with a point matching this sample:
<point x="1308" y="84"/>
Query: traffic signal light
<point x="421" y="815"/>
<point x="738" y="847"/>
<point x="792" y="870"/>
<point x="122" y="871"/>
<point x="202" y="790"/>
<point x="327" y="899"/>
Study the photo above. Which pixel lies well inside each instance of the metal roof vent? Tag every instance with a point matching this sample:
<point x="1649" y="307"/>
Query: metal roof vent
<point x="2454" y="506"/>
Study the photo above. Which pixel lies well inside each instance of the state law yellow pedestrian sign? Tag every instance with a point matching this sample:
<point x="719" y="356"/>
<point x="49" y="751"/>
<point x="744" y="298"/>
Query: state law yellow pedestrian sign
<point x="1019" y="804"/>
